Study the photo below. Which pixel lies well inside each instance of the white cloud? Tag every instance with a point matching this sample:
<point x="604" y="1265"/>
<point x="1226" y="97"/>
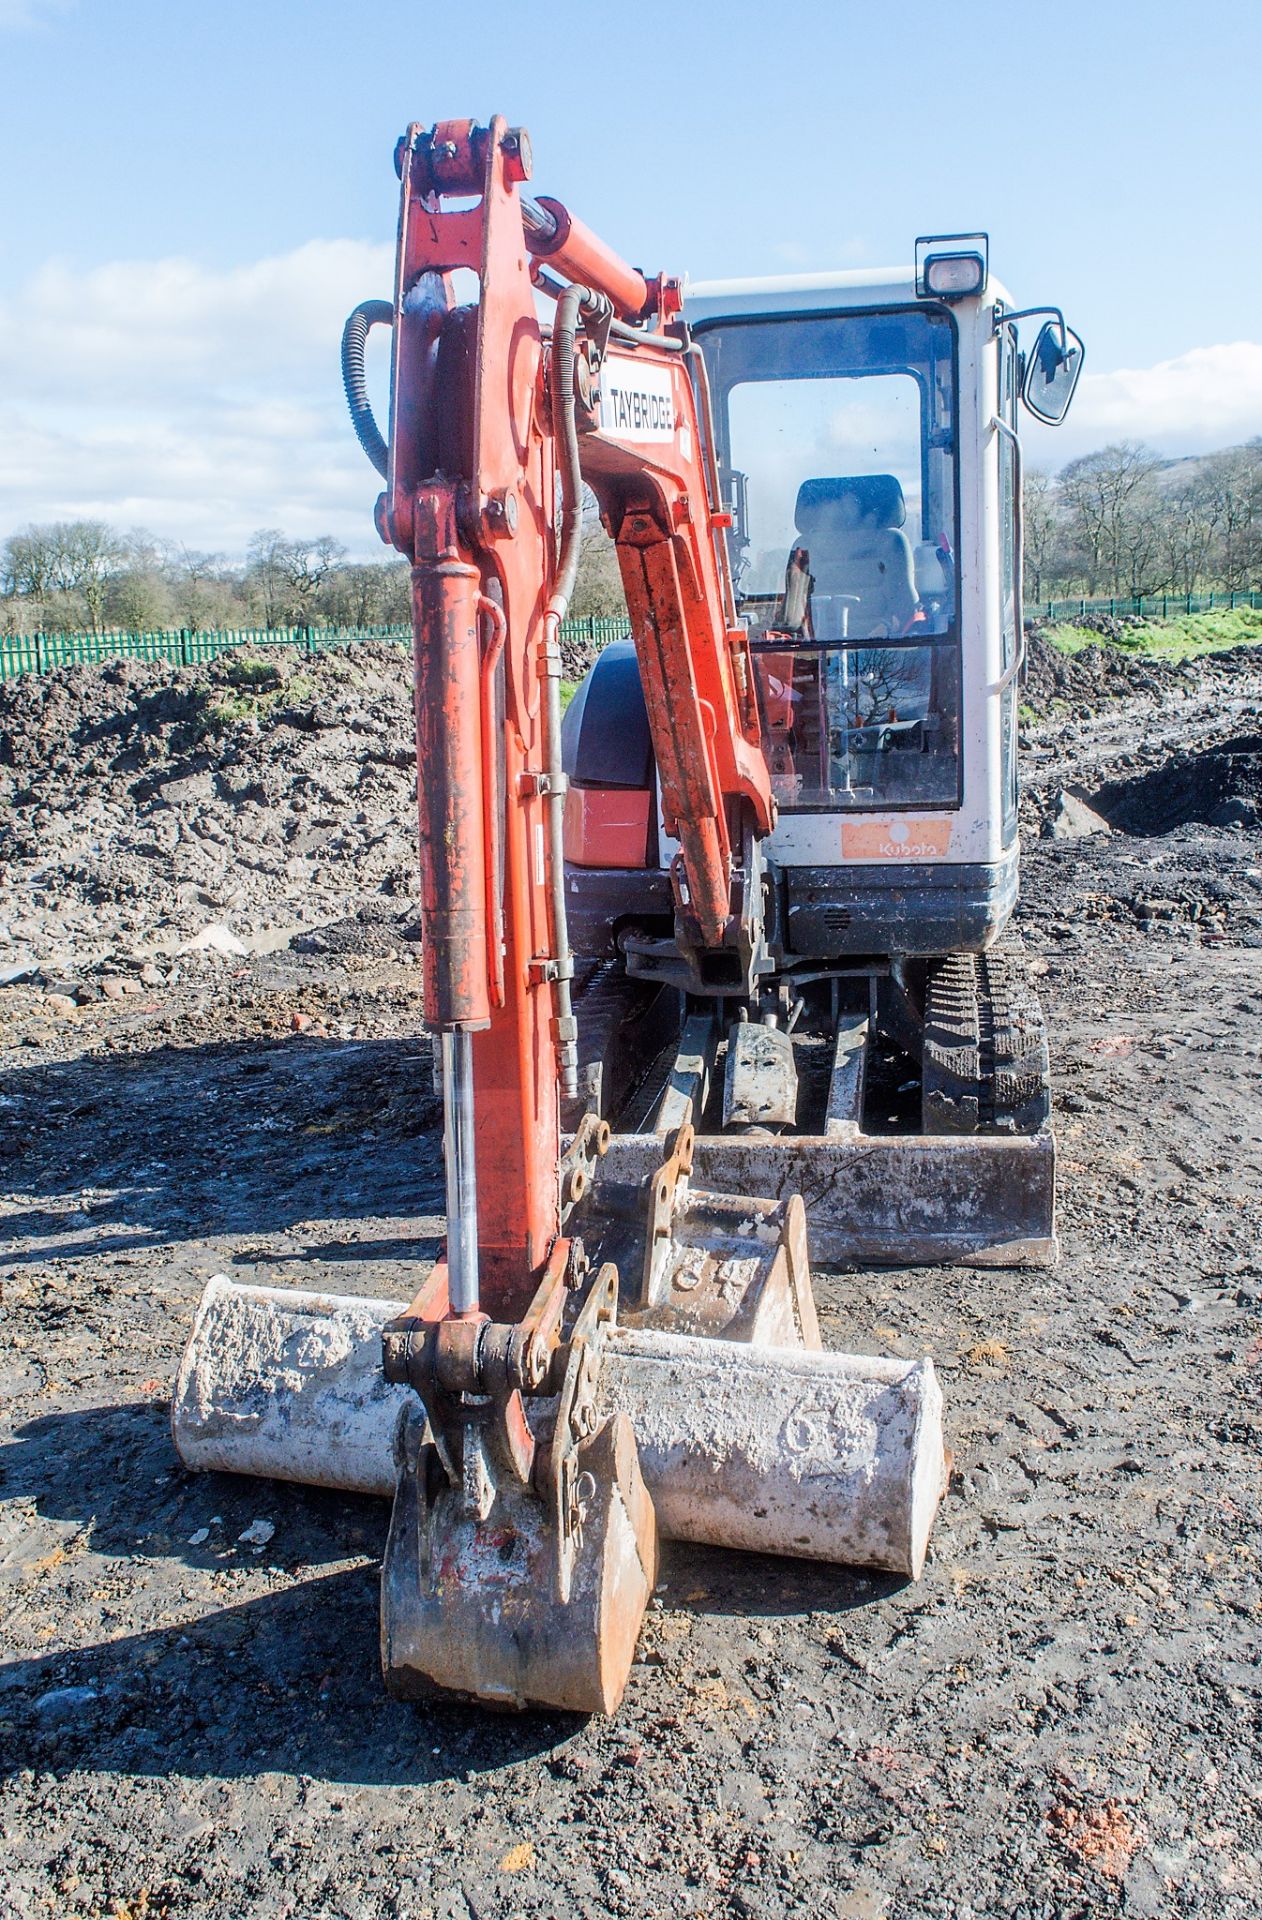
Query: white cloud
<point x="18" y="15"/>
<point x="201" y="404"/>
<point x="1206" y="398"/>
<point x="204" y="403"/>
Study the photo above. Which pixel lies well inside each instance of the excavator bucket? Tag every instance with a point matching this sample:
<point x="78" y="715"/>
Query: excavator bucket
<point x="520" y="1558"/>
<point x="476" y="1595"/>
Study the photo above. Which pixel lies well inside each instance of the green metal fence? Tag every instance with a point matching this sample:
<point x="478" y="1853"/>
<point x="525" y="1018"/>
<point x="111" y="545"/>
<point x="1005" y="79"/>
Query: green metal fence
<point x="596" y="630"/>
<point x="1149" y="606"/>
<point x="41" y="652"/>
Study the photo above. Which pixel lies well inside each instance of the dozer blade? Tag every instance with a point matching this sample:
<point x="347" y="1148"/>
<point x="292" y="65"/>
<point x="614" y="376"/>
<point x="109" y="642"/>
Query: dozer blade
<point x="775" y="1449"/>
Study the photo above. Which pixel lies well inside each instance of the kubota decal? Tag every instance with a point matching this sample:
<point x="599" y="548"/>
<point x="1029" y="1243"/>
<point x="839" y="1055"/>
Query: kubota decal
<point x="917" y="839"/>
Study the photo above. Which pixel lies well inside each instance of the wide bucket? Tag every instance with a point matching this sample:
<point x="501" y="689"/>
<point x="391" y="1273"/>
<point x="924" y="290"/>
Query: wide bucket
<point x="825" y="1456"/>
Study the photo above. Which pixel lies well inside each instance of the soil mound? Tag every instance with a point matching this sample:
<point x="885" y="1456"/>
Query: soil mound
<point x="1082" y="680"/>
<point x="1218" y="787"/>
<point x="142" y="802"/>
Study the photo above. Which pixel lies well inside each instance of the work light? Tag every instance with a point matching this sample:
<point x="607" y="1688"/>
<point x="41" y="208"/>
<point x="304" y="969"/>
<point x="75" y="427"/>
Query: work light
<point x="951" y="266"/>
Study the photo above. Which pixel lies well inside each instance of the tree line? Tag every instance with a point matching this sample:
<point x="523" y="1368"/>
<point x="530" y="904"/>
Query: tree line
<point x="1120" y="522"/>
<point x="79" y="576"/>
<point x="84" y="575"/>
<point x="1123" y="522"/>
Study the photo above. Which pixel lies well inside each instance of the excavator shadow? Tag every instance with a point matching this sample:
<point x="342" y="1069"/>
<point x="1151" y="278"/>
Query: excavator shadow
<point x="112" y="1474"/>
<point x="287" y="1680"/>
<point x="718" y="1581"/>
<point x="289" y="1144"/>
<point x="290" y="1683"/>
<point x="286" y="1683"/>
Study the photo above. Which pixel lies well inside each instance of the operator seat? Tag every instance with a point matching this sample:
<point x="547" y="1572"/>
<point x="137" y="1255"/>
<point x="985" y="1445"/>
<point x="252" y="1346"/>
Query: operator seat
<point x="852" y="529"/>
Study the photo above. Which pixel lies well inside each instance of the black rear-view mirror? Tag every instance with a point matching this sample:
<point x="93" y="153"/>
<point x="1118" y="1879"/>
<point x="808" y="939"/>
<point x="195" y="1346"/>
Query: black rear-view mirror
<point x="1051" y="372"/>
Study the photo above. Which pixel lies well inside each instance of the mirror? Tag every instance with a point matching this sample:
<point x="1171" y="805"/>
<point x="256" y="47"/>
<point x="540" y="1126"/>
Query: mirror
<point x="1051" y="373"/>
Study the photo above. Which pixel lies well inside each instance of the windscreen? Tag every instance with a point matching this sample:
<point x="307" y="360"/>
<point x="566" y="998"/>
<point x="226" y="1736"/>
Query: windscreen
<point x="836" y="443"/>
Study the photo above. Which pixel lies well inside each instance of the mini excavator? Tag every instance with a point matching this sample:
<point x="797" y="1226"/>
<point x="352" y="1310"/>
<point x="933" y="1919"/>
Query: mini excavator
<point x="716" y="960"/>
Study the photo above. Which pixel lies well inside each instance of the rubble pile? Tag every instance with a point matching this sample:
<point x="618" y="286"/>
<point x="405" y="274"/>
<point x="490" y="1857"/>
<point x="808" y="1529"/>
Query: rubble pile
<point x="149" y="811"/>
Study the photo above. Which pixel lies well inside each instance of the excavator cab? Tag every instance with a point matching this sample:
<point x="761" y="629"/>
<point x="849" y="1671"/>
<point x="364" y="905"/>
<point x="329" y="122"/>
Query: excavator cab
<point x="840" y="432"/>
<point x="866" y="437"/>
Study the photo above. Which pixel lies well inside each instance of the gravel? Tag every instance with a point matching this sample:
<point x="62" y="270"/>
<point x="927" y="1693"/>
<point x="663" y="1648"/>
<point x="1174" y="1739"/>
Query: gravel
<point x="1061" y="1719"/>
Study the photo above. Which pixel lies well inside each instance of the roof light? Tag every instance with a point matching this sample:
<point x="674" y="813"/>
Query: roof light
<point x="951" y="266"/>
<point x="952" y="275"/>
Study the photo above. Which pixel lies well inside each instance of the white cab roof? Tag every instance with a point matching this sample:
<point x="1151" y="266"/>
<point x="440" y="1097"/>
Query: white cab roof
<point x="798" y="293"/>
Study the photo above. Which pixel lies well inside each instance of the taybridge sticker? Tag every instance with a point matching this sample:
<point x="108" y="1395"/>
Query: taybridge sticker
<point x="636" y="402"/>
<point x="920" y="838"/>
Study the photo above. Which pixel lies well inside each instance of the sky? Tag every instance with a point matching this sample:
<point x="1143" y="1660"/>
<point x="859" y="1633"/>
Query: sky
<point x="196" y="195"/>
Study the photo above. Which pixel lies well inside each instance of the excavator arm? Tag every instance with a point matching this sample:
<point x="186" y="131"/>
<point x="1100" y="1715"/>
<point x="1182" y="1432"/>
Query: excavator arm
<point x="494" y="427"/>
<point x="647" y="456"/>
<point x="495" y="424"/>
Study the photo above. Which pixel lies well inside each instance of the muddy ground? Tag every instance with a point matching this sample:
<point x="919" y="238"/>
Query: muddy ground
<point x="1061" y="1719"/>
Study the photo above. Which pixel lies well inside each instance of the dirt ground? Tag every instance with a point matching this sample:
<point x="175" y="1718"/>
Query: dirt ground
<point x="1061" y="1719"/>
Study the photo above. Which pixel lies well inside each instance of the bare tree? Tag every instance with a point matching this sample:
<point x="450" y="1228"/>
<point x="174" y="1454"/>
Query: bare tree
<point x="598" y="589"/>
<point x="1185" y="523"/>
<point x="67" y="564"/>
<point x="889" y="679"/>
<point x="1040" y="528"/>
<point x="1232" y="486"/>
<point x="27" y="563"/>
<point x="284" y="576"/>
<point x="311" y="562"/>
<point x="375" y="594"/>
<point x="1101" y="493"/>
<point x="198" y="587"/>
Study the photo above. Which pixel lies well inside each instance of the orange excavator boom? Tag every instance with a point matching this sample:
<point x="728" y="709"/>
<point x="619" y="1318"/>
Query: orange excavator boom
<point x="492" y="417"/>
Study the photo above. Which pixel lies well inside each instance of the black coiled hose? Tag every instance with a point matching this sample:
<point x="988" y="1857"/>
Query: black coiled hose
<point x="565" y="431"/>
<point x="368" y="314"/>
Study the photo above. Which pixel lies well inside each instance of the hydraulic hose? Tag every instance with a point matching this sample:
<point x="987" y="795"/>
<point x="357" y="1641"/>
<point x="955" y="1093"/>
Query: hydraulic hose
<point x="565" y="433"/>
<point x="368" y="314"/>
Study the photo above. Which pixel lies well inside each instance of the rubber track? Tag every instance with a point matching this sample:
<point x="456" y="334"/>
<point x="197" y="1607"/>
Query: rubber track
<point x="1019" y="1072"/>
<point x="985" y="1060"/>
<point x="600" y="1002"/>
<point x="604" y="999"/>
<point x="951" y="1068"/>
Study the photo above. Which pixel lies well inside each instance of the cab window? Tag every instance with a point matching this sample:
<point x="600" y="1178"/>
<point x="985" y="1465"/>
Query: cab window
<point x="837" y="444"/>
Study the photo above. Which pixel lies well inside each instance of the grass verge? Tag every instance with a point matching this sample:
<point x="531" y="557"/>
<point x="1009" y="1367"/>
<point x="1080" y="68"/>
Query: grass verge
<point x="1185" y="637"/>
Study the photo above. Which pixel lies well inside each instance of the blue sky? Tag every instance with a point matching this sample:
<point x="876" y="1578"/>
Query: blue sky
<point x="197" y="194"/>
